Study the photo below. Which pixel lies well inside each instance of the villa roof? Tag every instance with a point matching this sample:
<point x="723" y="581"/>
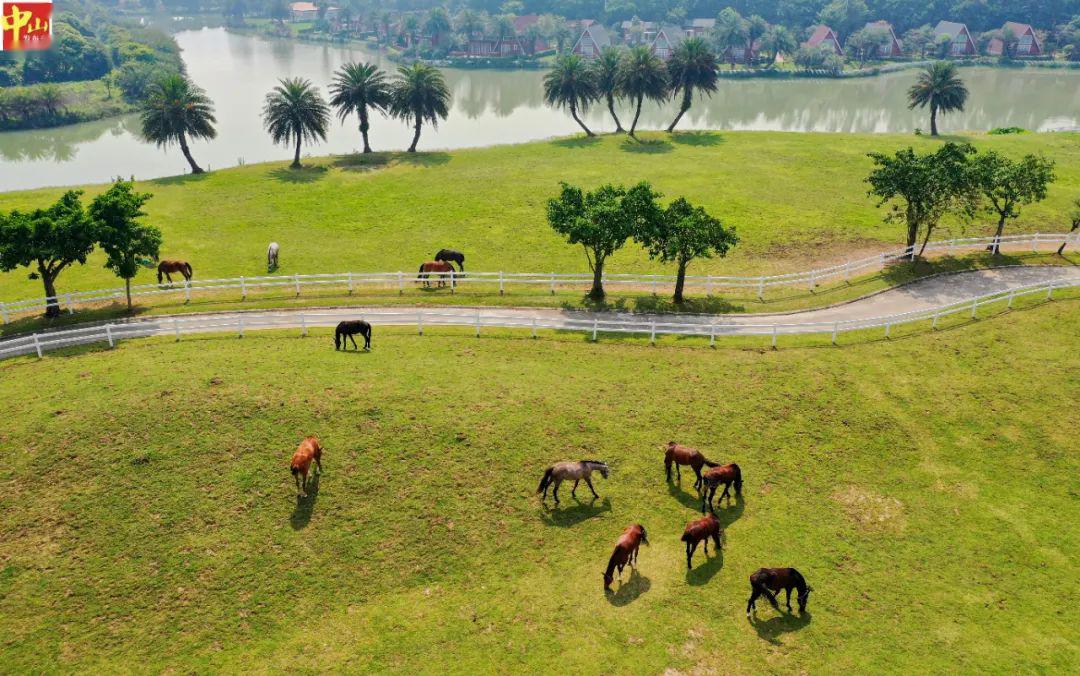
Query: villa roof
<point x="950" y="28"/>
<point x="303" y="7"/>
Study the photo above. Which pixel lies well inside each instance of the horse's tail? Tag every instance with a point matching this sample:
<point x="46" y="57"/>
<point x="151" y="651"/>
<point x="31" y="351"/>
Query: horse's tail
<point x="159" y="275"/>
<point x="190" y="272"/>
<point x="337" y="338"/>
<point x="421" y="269"/>
<point x="738" y="479"/>
<point x="545" y="480"/>
<point x="710" y="463"/>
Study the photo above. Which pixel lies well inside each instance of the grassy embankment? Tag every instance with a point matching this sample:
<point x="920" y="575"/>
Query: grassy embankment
<point x="925" y="486"/>
<point x="797" y="201"/>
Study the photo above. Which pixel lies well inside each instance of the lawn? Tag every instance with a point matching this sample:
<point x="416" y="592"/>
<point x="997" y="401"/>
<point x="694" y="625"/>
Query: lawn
<point x="796" y="200"/>
<point x="926" y="486"/>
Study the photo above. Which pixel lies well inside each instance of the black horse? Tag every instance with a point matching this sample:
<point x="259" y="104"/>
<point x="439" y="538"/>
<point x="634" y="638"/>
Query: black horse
<point x="449" y="255"/>
<point x="769" y="582"/>
<point x="348" y="330"/>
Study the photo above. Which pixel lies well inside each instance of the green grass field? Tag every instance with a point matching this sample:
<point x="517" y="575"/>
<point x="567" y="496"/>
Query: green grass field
<point x="797" y="200"/>
<point x="925" y="485"/>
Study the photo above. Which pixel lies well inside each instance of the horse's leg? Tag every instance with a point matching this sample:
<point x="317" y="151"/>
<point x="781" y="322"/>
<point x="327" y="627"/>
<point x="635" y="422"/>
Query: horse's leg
<point x="297" y="478"/>
<point x="573" y="491"/>
<point x="678" y="471"/>
<point x="788" y="599"/>
<point x="555" y="490"/>
<point x="691" y="547"/>
<point x="726" y="493"/>
<point x="667" y="468"/>
<point x="750" y="605"/>
<point x="353" y="339"/>
<point x="697" y="471"/>
<point x="588" y="483"/>
<point x="367" y="340"/>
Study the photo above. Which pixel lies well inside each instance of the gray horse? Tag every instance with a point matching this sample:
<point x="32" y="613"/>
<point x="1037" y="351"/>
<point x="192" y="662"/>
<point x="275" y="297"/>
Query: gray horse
<point x="578" y="471"/>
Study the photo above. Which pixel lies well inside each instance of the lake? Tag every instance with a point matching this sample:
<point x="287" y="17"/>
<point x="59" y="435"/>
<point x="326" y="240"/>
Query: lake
<point x="493" y="107"/>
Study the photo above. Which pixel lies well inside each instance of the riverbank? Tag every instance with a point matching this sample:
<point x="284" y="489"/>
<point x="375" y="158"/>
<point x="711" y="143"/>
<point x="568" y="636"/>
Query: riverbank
<point x="47" y="106"/>
<point x="796" y="200"/>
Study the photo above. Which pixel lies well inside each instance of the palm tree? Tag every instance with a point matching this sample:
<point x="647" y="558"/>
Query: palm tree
<point x="419" y="94"/>
<point x="730" y="32"/>
<point x="294" y="110"/>
<point x="939" y="87"/>
<point x="642" y="75"/>
<point x="469" y="22"/>
<point x="605" y="70"/>
<point x="174" y="110"/>
<point x="778" y="40"/>
<point x="571" y="84"/>
<point x="358" y="87"/>
<point x="692" y="66"/>
<point x="437" y="24"/>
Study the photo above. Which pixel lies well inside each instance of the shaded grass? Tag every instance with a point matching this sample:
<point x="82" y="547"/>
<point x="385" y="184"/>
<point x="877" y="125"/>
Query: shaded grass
<point x="147" y="516"/>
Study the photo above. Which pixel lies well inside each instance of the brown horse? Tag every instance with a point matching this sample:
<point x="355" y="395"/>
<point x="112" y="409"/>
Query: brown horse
<point x="700" y="531"/>
<point x="684" y="455"/>
<point x="626" y="551"/>
<point x="308" y="450"/>
<point x="165" y="267"/>
<point x="768" y="582"/>
<point x="714" y="477"/>
<point x="441" y="267"/>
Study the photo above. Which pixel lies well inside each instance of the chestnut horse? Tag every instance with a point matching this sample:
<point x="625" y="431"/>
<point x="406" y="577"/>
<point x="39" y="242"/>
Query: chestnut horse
<point x="684" y="455"/>
<point x="165" y="267"/>
<point x="768" y="582"/>
<point x="442" y="267"/>
<point x="700" y="531"/>
<point x="308" y="450"/>
<point x="711" y="480"/>
<point x="626" y="551"/>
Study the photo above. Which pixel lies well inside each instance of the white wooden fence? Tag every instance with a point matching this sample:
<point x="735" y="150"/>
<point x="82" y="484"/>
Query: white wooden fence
<point x="505" y="280"/>
<point x="711" y="328"/>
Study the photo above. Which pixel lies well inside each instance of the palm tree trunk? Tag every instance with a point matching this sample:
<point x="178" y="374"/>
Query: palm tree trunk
<point x="573" y="114"/>
<point x="611" y="109"/>
<point x="687" y="93"/>
<point x="195" y="169"/>
<point x="416" y="135"/>
<point x="637" y="114"/>
<point x="933" y="119"/>
<point x="296" y="158"/>
<point x="364" y="126"/>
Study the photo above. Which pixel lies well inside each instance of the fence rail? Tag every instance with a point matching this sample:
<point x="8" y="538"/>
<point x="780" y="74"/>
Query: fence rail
<point x="504" y="280"/>
<point x="721" y="326"/>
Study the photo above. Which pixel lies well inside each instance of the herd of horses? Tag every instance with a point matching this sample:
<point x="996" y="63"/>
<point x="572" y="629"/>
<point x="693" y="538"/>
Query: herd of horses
<point x="767" y="582"/>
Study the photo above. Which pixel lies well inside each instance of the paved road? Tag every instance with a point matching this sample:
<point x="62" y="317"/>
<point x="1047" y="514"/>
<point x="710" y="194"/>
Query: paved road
<point x="927" y="294"/>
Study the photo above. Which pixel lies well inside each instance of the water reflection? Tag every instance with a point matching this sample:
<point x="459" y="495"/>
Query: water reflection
<point x="502" y="107"/>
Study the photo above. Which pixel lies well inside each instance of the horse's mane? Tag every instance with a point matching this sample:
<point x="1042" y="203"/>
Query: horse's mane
<point x="593" y="462"/>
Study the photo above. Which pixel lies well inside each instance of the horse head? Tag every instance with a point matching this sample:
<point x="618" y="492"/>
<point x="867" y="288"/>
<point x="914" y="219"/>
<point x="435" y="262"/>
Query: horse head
<point x="608" y="579"/>
<point x="604" y="469"/>
<point x="803" y="597"/>
<point x="644" y="535"/>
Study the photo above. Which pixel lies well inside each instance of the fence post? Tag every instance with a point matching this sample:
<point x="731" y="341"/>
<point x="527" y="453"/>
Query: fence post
<point x="761" y="288"/>
<point x="594" y="323"/>
<point x="243" y="289"/>
<point x="654" y="285"/>
<point x="296" y="278"/>
<point x="240" y="323"/>
<point x="888" y="325"/>
<point x="1050" y="292"/>
<point x="108" y="334"/>
<point x="913" y="249"/>
<point x="774" y="336"/>
<point x="67" y="301"/>
<point x="813" y="280"/>
<point x="553" y="284"/>
<point x="847" y="270"/>
<point x="4" y="312"/>
<point x="420" y="322"/>
<point x="303" y="324"/>
<point x="1035" y="243"/>
<point x="477" y="323"/>
<point x="187" y="290"/>
<point x="534" y="327"/>
<point x="350" y="284"/>
<point x="452" y="281"/>
<point x="500" y="282"/>
<point x="934" y="324"/>
<point x="37" y="345"/>
<point x="708" y="286"/>
<point x="176" y="329"/>
<point x="974" y="306"/>
<point x="652" y="332"/>
<point x="882" y="260"/>
<point x="1011" y="294"/>
<point x="835" y="327"/>
<point x="400" y="282"/>
<point x="712" y="335"/>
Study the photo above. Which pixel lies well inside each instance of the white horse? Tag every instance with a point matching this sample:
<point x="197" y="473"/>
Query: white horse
<point x="561" y="471"/>
<point x="271" y="257"/>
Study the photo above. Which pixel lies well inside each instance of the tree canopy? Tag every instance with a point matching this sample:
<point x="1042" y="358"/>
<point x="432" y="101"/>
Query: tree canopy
<point x="124" y="239"/>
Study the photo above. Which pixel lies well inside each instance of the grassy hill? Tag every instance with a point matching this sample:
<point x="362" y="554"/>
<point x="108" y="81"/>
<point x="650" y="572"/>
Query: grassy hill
<point x="796" y="200"/>
<point x="925" y="486"/>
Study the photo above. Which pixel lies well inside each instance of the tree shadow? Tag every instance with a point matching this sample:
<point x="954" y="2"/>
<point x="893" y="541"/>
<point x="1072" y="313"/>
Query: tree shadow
<point x="576" y="141"/>
<point x="362" y="161"/>
<point x="181" y="179"/>
<point x="629" y="591"/>
<point x="697" y="138"/>
<point x="901" y="272"/>
<point x="704" y="572"/>
<point x="301" y="515"/>
<point x="428" y="159"/>
<point x="564" y="517"/>
<point x="664" y="304"/>
<point x="774" y="627"/>
<point x="646" y="146"/>
<point x="685" y="497"/>
<point x="305" y="174"/>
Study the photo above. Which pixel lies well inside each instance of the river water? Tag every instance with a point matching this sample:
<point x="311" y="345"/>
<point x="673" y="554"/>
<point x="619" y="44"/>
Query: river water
<point x="493" y="107"/>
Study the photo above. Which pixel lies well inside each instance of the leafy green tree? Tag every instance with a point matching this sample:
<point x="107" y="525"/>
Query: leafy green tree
<point x="602" y="220"/>
<point x="642" y="75"/>
<point x="1007" y="184"/>
<point x="295" y="112"/>
<point x="419" y="94"/>
<point x="1075" y="218"/>
<point x="124" y="239"/>
<point x="939" y="87"/>
<point x="49" y="239"/>
<point x="692" y="67"/>
<point x="729" y="32"/>
<point x="470" y="23"/>
<point x="921" y="188"/>
<point x="437" y="24"/>
<point x="844" y="16"/>
<point x="606" y="70"/>
<point x="778" y="40"/>
<point x="866" y="43"/>
<point x="918" y="40"/>
<point x="571" y="84"/>
<point x="359" y="88"/>
<point x="685" y="232"/>
<point x="174" y="110"/>
<point x="755" y="29"/>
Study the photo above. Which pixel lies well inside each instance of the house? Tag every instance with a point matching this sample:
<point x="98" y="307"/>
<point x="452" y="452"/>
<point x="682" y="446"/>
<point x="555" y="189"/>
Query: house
<point x="637" y="32"/>
<point x="739" y="55"/>
<point x="823" y="36"/>
<point x="962" y="44"/>
<point x="593" y="38"/>
<point x="699" y="27"/>
<point x="893" y="48"/>
<point x="309" y="11"/>
<point x="1027" y="42"/>
<point x="522" y="24"/>
<point x="667" y="39"/>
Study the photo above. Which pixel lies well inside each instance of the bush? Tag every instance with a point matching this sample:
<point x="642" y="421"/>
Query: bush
<point x="998" y="131"/>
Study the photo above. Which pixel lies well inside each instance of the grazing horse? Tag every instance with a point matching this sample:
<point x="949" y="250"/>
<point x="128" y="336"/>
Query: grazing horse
<point x="424" y="274"/>
<point x="562" y="471"/>
<point x="684" y="455"/>
<point x="699" y="531"/>
<point x="449" y="255"/>
<point x="308" y="450"/>
<point x="165" y="267"/>
<point x="271" y="257"/>
<point x="348" y="329"/>
<point x="711" y="480"/>
<point x="626" y="551"/>
<point x="768" y="582"/>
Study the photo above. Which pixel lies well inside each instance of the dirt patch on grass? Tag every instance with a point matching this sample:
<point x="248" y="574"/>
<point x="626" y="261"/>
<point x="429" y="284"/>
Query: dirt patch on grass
<point x="872" y="511"/>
